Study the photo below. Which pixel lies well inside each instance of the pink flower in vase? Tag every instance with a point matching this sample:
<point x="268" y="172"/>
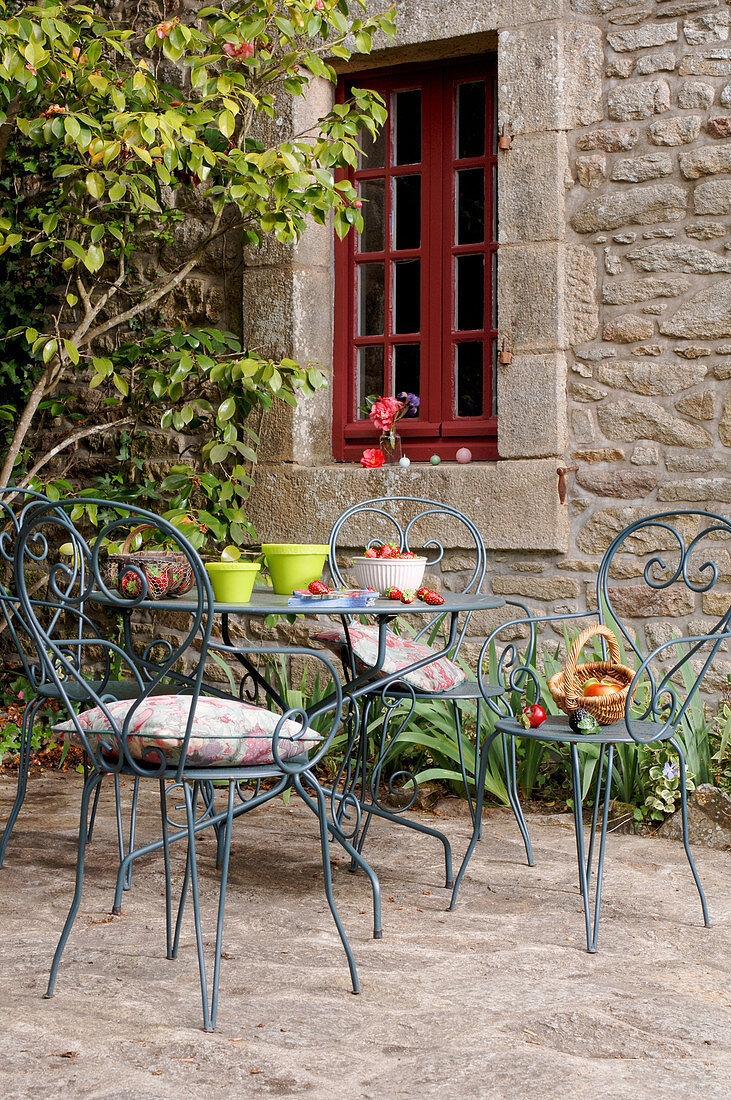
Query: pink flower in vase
<point x="384" y="412"/>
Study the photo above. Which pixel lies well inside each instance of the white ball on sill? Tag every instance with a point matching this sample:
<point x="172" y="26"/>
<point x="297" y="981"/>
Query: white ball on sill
<point x="404" y="461"/>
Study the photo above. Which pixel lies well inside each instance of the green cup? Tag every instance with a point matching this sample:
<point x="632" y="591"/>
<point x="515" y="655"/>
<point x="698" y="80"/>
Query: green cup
<point x="293" y="565"/>
<point x="232" y="581"/>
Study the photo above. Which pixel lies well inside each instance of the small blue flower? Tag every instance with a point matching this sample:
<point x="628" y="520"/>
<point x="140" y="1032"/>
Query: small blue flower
<point x="670" y="771"/>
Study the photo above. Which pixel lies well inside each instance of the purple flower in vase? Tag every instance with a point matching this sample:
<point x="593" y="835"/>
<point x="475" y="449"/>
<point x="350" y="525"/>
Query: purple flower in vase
<point x="412" y="401"/>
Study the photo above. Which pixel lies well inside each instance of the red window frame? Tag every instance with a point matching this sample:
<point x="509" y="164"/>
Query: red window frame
<point x="437" y="428"/>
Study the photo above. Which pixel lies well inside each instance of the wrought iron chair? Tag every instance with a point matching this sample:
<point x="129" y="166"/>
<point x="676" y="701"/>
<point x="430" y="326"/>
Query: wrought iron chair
<point x="187" y="740"/>
<point x="679" y="570"/>
<point x="414" y="523"/>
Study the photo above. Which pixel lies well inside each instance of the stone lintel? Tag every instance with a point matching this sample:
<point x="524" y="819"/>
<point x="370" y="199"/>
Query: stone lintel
<point x="513" y="503"/>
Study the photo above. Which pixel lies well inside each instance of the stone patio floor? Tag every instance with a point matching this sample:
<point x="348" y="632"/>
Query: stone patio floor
<point x="498" y="999"/>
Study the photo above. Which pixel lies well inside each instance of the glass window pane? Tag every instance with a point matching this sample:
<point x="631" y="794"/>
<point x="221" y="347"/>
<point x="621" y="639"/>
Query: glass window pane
<point x="470" y="213"/>
<point x="470" y="292"/>
<point x="406" y="359"/>
<point x="371" y="299"/>
<point x="407" y="127"/>
<point x="374" y="150"/>
<point x="407" y="212"/>
<point x="471" y="119"/>
<point x="468" y="379"/>
<point x="407" y="295"/>
<point x="373" y="194"/>
<point x="370" y="376"/>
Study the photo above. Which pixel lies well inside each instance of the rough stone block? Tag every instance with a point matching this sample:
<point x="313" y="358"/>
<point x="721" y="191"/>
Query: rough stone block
<point x="705" y="231"/>
<point x="707" y="161"/>
<point x="699" y="406"/>
<point x="641" y="38"/>
<point x="684" y="7"/>
<point x="538" y="90"/>
<point x="616" y="139"/>
<point x="641" y="169"/>
<point x="700" y="489"/>
<point x="707" y="314"/>
<point x="719" y="127"/>
<point x="635" y="420"/>
<point x="627" y="329"/>
<point x="675" y="131"/>
<point x="531" y="178"/>
<point x="692" y="351"/>
<point x="591" y="170"/>
<point x="602" y="527"/>
<point x="629" y="484"/>
<point x="638" y="601"/>
<point x="548" y="295"/>
<point x="582" y="426"/>
<point x="645" y="455"/>
<point x="642" y="290"/>
<point x="655" y="63"/>
<point x="712" y="63"/>
<point x="651" y="378"/>
<point x="695" y="463"/>
<point x="642" y="206"/>
<point x="585" y="392"/>
<point x="621" y="67"/>
<point x="637" y="101"/>
<point x="695" y="95"/>
<point x="679" y="257"/>
<point x="724" y="423"/>
<point x="536" y="588"/>
<point x="281" y="502"/>
<point x="540" y="381"/>
<point x="711" y="27"/>
<point x="709" y="819"/>
<point x="600" y="454"/>
<point x="725" y="96"/>
<point x="713" y="197"/>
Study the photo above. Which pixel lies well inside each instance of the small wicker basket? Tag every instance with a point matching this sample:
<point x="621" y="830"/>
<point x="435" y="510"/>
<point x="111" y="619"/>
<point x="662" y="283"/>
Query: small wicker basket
<point x="566" y="686"/>
<point x="167" y="574"/>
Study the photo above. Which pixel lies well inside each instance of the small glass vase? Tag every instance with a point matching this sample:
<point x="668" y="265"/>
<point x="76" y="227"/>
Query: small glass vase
<point x="390" y="444"/>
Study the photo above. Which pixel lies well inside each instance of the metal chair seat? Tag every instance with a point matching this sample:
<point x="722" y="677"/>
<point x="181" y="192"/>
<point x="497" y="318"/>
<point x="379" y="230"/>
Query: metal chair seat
<point x="557" y="728"/>
<point x="468" y="689"/>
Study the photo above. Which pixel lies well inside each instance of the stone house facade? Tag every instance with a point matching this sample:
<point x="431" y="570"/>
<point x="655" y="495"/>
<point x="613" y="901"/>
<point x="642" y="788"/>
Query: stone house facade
<point x="613" y="293"/>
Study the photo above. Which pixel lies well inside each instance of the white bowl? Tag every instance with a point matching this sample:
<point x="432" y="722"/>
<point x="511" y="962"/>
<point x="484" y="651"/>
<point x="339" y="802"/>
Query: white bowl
<point x="383" y="573"/>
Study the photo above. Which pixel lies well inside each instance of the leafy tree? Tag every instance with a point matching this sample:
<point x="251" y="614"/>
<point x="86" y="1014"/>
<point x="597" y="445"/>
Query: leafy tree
<point x="92" y="105"/>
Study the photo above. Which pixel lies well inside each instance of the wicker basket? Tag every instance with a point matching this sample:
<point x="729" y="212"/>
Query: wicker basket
<point x="167" y="574"/>
<point x="566" y="686"/>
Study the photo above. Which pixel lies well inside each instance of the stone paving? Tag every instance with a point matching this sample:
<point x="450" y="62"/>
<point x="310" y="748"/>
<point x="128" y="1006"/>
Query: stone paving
<point x="498" y="999"/>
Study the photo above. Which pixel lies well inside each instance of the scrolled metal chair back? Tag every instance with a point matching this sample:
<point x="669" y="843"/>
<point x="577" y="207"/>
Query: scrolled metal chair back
<point x="81" y="660"/>
<point x="414" y="524"/>
<point x="686" y="553"/>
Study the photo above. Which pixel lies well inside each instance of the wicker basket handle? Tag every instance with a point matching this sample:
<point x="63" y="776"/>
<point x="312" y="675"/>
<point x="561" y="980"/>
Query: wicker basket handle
<point x="572" y="689"/>
<point x="136" y="531"/>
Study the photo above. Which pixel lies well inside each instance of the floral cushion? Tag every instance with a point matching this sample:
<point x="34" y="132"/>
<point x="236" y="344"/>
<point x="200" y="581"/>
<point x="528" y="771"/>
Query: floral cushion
<point x="440" y="675"/>
<point x="225" y="731"/>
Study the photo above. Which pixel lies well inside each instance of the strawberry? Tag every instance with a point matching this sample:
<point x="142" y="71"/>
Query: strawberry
<point x="371" y="553"/>
<point x="432" y="598"/>
<point x="393" y="593"/>
<point x="408" y="595"/>
<point x="389" y="551"/>
<point x="317" y="588"/>
<point x="421" y="592"/>
<point x="408" y="554"/>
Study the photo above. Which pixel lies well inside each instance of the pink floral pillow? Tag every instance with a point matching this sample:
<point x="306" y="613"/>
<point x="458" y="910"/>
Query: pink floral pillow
<point x="225" y="731"/>
<point x="440" y="675"/>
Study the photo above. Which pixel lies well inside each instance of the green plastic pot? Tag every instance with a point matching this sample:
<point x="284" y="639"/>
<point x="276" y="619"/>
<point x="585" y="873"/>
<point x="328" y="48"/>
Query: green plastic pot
<point x="293" y="565"/>
<point x="232" y="581"/>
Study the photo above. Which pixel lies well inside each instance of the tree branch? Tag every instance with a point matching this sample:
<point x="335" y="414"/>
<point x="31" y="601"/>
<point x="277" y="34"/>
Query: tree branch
<point x="82" y="433"/>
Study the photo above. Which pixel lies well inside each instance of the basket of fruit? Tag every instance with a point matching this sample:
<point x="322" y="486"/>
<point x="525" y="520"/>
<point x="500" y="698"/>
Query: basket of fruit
<point x="599" y="687"/>
<point x="168" y="573"/>
<point x="388" y="566"/>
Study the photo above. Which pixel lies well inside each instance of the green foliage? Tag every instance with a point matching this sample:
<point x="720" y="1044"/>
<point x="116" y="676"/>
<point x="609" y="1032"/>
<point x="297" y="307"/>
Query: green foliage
<point x="115" y="148"/>
<point x="660" y="772"/>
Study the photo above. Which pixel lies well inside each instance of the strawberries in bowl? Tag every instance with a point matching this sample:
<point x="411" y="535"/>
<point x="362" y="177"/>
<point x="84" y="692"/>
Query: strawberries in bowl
<point x="388" y="566"/>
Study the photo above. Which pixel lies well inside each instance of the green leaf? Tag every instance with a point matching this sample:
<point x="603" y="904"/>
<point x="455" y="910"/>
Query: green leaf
<point x="226" y="409"/>
<point x="49" y="350"/>
<point x="72" y="351"/>
<point x="226" y="123"/>
<point x="95" y="184"/>
<point x="94" y="258"/>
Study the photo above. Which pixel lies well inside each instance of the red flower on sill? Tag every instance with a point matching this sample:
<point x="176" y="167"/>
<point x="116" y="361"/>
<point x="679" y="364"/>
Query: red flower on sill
<point x="372" y="457"/>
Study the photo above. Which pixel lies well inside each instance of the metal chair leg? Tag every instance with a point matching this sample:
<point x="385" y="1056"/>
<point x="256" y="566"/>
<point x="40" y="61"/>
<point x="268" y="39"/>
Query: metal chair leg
<point x="591" y="919"/>
<point x="684" y="818"/>
<point x="26" y="737"/>
<point x="511" y="783"/>
<point x="89" y="786"/>
<point x="327" y="873"/>
<point x="479" y="799"/>
<point x="192" y="874"/>
<point x="166" y="860"/>
<point x="225" y="859"/>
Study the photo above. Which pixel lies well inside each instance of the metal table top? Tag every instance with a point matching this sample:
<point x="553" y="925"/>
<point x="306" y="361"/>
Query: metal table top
<point x="265" y="602"/>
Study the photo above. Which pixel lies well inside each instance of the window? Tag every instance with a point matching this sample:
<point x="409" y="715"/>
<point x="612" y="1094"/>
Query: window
<point x="415" y="291"/>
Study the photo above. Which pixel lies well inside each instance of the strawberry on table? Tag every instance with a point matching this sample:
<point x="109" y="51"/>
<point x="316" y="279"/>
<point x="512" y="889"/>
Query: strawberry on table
<point x="408" y="595"/>
<point x="393" y="593"/>
<point x="317" y="588"/>
<point x="432" y="598"/>
<point x="421" y="592"/>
